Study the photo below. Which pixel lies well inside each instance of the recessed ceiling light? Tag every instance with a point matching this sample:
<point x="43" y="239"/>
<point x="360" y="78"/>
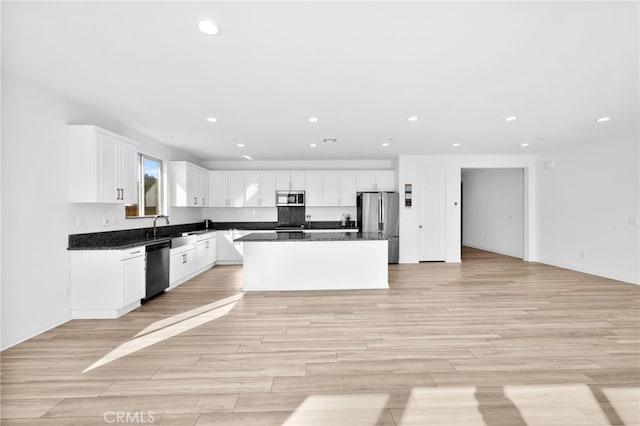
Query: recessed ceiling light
<point x="247" y="157"/>
<point x="510" y="118"/>
<point x="313" y="119"/>
<point x="413" y="118"/>
<point x="386" y="144"/>
<point x="602" y="119"/>
<point x="240" y="145"/>
<point x="212" y="119"/>
<point x="208" y="27"/>
<point x="329" y="140"/>
<point x="313" y="145"/>
<point x="524" y="144"/>
<point x="456" y="144"/>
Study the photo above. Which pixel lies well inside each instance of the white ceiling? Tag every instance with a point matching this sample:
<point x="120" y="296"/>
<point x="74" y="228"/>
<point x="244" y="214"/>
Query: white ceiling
<point x="362" y="68"/>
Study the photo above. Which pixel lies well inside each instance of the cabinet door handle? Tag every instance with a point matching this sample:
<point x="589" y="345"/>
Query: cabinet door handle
<point x="117" y="193"/>
<point x="207" y="246"/>
<point x="184" y="259"/>
<point x="134" y="252"/>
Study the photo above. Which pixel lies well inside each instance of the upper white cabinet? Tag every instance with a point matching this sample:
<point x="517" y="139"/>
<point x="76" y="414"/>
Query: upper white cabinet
<point x="102" y="166"/>
<point x="189" y="185"/>
<point x="259" y="189"/>
<point x="290" y="181"/>
<point x="338" y="188"/>
<point x="375" y="180"/>
<point x="313" y="189"/>
<point x="226" y="189"/>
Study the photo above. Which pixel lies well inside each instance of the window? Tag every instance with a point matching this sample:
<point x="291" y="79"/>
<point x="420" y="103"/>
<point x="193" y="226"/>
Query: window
<point x="149" y="172"/>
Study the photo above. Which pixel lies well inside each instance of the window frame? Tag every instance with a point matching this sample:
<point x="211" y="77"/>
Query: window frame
<point x="140" y="186"/>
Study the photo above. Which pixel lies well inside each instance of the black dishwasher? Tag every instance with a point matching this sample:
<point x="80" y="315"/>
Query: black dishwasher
<point x="157" y="276"/>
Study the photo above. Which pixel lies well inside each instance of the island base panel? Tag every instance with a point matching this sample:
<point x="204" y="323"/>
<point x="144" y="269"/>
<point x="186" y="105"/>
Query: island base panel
<point x="330" y="265"/>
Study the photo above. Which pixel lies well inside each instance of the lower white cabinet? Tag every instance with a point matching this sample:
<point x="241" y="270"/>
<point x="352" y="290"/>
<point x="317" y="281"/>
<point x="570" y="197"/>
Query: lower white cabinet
<point x="192" y="259"/>
<point x="106" y="283"/>
<point x="182" y="264"/>
<point x="206" y="250"/>
<point x="230" y="252"/>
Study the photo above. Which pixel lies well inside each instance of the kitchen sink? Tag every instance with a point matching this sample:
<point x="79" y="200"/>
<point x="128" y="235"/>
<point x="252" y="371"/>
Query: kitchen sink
<point x="183" y="240"/>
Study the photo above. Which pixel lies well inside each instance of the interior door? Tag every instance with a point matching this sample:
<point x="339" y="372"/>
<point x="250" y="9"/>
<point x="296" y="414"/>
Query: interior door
<point x="431" y="214"/>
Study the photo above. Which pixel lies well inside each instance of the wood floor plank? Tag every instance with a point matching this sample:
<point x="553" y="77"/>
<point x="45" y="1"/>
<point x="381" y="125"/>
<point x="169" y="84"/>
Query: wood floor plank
<point x="490" y="341"/>
<point x="188" y="386"/>
<point x="158" y="404"/>
<point x="27" y="408"/>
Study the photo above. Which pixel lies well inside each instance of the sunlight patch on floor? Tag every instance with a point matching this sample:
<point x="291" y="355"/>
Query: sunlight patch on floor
<point x="188" y="314"/>
<point x="167" y="332"/>
<point x="442" y="406"/>
<point x="335" y="410"/>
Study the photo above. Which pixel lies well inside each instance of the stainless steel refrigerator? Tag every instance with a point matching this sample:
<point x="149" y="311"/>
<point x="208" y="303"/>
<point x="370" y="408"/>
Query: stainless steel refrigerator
<point x="378" y="212"/>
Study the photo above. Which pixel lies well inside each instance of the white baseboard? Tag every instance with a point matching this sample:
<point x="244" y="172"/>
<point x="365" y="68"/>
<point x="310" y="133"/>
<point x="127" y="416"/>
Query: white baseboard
<point x="34" y="333"/>
<point x="492" y="250"/>
<point x="589" y="271"/>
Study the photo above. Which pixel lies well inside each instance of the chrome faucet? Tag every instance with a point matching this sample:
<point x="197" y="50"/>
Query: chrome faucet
<point x="154" y="223"/>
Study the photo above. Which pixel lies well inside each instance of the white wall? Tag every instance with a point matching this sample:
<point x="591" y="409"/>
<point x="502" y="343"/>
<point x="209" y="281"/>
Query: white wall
<point x="36" y="217"/>
<point x="493" y="210"/>
<point x="588" y="203"/>
<point x="408" y="166"/>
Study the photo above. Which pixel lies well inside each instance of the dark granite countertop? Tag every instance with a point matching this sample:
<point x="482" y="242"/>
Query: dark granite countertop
<point x="120" y="245"/>
<point x="127" y="238"/>
<point x="324" y="236"/>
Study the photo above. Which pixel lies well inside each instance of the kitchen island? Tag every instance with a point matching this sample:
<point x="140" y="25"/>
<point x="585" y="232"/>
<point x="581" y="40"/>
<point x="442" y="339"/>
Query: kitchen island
<point x="309" y="261"/>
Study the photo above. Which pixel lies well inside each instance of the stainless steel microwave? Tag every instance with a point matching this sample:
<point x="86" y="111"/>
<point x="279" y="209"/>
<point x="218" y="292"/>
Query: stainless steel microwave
<point x="289" y="198"/>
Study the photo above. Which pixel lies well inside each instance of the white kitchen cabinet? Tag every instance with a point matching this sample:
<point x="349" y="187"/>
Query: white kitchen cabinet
<point x="189" y="185"/>
<point x="182" y="264"/>
<point x="338" y="188"/>
<point x="226" y="189"/>
<point x="132" y="270"/>
<point x="313" y="189"/>
<point x="290" y="181"/>
<point x="206" y="250"/>
<point x="106" y="283"/>
<point x="229" y="251"/>
<point x="259" y="189"/>
<point x="375" y="180"/>
<point x="102" y="166"/>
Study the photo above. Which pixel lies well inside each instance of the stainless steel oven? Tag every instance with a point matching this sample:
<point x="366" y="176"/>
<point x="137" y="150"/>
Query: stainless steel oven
<point x="289" y="198"/>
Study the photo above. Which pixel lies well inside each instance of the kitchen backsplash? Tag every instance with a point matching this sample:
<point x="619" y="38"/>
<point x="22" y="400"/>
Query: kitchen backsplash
<point x="270" y="214"/>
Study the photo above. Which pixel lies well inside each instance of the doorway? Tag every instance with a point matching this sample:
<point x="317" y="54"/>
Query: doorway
<point x="432" y="214"/>
<point x="493" y="210"/>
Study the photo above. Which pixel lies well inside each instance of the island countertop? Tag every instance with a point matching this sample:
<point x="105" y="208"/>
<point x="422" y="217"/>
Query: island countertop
<point x="326" y="236"/>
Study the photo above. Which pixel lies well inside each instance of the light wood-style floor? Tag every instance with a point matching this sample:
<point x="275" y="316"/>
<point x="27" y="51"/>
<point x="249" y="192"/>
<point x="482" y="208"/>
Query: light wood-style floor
<point x="491" y="341"/>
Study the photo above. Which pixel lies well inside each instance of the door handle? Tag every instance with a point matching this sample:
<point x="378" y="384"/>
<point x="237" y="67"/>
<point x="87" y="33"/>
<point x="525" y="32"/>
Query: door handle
<point x="420" y="226"/>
